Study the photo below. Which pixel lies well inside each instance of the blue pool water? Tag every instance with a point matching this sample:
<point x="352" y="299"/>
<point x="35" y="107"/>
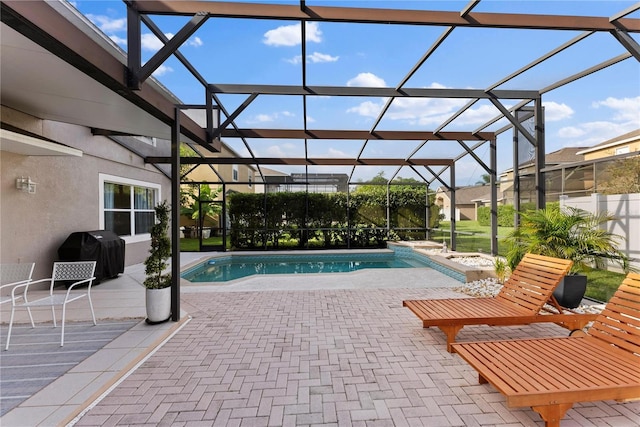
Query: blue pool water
<point x="227" y="268"/>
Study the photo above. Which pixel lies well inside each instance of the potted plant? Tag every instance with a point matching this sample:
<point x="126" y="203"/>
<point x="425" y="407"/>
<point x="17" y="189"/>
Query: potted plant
<point x="568" y="233"/>
<point x="158" y="281"/>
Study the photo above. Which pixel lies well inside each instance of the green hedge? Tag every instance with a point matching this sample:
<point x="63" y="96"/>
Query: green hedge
<point x="506" y="213"/>
<point x="311" y="219"/>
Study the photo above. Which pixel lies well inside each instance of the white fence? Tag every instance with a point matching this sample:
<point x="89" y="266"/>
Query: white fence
<point x="626" y="209"/>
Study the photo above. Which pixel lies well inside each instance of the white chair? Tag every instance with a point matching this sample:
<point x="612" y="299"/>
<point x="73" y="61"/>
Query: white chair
<point x="80" y="273"/>
<point x="12" y="275"/>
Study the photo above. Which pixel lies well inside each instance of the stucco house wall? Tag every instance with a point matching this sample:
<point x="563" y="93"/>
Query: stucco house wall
<point x="627" y="143"/>
<point x="467" y="201"/>
<point x="67" y="198"/>
<point x="246" y="173"/>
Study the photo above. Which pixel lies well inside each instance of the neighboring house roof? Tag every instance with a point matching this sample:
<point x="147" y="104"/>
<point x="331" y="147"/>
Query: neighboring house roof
<point x="563" y="155"/>
<point x="468" y="195"/>
<point x="272" y="172"/>
<point x="622" y="139"/>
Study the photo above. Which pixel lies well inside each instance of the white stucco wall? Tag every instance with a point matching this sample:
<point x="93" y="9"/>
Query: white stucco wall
<point x="33" y="226"/>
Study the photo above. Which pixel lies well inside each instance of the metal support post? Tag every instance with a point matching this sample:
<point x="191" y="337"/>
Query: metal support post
<point x="175" y="217"/>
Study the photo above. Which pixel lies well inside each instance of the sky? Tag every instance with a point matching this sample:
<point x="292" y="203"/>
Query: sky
<point x="589" y="111"/>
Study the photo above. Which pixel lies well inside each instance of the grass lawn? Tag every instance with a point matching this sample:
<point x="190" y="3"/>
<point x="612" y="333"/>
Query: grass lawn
<point x="193" y="245"/>
<point x="601" y="284"/>
<point x="473" y="237"/>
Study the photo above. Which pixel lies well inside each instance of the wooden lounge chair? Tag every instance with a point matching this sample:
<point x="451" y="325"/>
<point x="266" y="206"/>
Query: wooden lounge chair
<point x="552" y="374"/>
<point x="520" y="301"/>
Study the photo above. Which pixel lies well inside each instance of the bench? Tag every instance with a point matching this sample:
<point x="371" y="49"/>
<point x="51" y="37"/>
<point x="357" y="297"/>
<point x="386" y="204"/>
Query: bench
<point x="521" y="301"/>
<point x="552" y="374"/>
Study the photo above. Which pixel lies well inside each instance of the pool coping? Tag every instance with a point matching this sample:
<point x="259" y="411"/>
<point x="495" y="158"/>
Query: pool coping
<point x="195" y="263"/>
<point x="443" y="260"/>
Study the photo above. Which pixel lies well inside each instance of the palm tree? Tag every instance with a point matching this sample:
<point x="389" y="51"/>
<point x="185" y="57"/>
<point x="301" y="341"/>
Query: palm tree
<point x="485" y="179"/>
<point x="196" y="200"/>
<point x="569" y="233"/>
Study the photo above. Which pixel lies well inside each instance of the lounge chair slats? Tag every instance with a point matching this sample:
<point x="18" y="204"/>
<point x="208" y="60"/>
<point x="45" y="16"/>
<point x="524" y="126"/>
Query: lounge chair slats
<point x="519" y="302"/>
<point x="551" y="374"/>
<point x="534" y="280"/>
<point x="619" y="323"/>
<point x="478" y="310"/>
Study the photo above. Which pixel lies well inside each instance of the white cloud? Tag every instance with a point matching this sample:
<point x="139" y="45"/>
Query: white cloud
<point x="554" y="112"/>
<point x="571" y="132"/>
<point x="625" y="109"/>
<point x="151" y="42"/>
<point x="195" y="42"/>
<point x="263" y="118"/>
<point x="283" y="150"/>
<point x="291" y="35"/>
<point x="310" y="119"/>
<point x="591" y="133"/>
<point x="317" y="57"/>
<point x="623" y="116"/>
<point x="276" y="151"/>
<point x="268" y="118"/>
<point x="367" y="109"/>
<point x="148" y="41"/>
<point x="424" y="111"/>
<point x="118" y="40"/>
<point x="107" y="24"/>
<point x="162" y="70"/>
<point x="367" y="80"/>
<point x="295" y="60"/>
<point x="334" y="152"/>
<point x="475" y="116"/>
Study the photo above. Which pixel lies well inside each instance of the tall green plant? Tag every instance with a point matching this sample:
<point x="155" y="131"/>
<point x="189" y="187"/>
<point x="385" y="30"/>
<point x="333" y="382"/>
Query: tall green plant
<point x="568" y="233"/>
<point x="160" y="250"/>
<point x="195" y="199"/>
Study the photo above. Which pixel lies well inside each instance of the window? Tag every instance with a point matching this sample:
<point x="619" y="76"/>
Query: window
<point x="622" y="150"/>
<point x="127" y="207"/>
<point x="235" y="173"/>
<point x="250" y="180"/>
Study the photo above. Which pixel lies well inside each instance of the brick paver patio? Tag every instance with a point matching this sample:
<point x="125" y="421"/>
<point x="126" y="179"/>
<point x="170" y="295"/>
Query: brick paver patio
<point x="351" y="357"/>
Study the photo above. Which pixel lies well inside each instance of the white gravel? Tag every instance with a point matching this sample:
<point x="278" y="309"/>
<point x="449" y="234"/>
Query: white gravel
<point x="490" y="288"/>
<point x="472" y="261"/>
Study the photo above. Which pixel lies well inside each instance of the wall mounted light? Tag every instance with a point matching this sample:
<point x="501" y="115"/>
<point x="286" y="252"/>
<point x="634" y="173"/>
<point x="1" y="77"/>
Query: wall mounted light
<point x="26" y="185"/>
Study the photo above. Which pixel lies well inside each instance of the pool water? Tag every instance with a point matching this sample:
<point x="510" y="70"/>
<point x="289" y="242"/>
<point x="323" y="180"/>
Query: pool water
<point x="228" y="268"/>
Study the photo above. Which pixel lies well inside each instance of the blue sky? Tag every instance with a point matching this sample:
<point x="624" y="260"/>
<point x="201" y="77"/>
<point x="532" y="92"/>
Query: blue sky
<point x="583" y="113"/>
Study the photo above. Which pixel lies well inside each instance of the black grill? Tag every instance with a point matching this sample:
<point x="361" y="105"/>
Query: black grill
<point x="102" y="246"/>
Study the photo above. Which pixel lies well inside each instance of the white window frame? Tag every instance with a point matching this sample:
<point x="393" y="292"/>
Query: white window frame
<point x="250" y="179"/>
<point x="623" y="150"/>
<point x="112" y="179"/>
<point x="235" y="173"/>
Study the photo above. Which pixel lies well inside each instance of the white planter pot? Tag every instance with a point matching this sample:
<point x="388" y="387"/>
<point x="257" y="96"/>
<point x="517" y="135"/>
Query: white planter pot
<point x="158" y="304"/>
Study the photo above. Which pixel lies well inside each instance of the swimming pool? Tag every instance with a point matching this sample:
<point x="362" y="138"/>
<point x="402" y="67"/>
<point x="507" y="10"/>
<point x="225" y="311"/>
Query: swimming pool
<point x="226" y="268"/>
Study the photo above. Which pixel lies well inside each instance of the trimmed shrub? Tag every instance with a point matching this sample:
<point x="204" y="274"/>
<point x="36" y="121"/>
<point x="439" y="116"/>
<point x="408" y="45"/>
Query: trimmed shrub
<point x="326" y="220"/>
